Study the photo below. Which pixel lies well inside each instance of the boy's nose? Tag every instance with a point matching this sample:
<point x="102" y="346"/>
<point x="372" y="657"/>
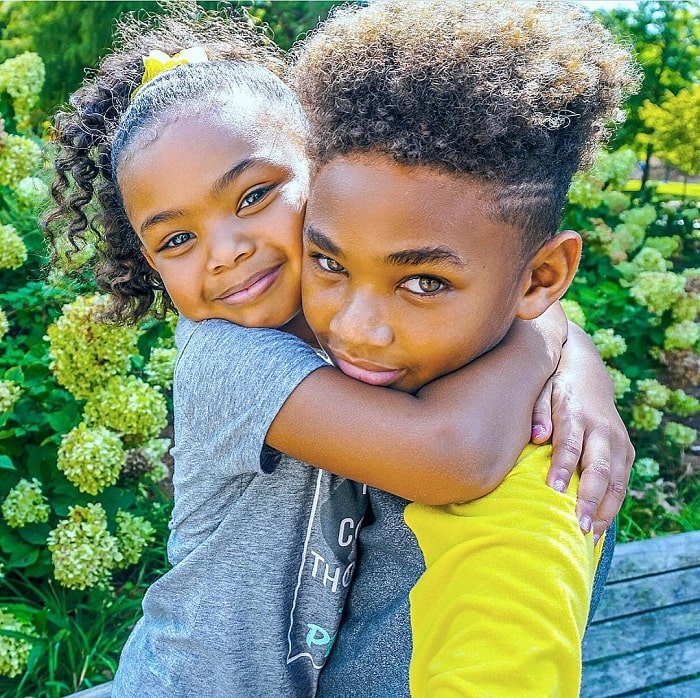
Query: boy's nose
<point x="360" y="322"/>
<point x="227" y="248"/>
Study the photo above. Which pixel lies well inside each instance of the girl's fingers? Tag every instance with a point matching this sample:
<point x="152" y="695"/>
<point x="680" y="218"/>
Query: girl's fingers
<point x="542" y="415"/>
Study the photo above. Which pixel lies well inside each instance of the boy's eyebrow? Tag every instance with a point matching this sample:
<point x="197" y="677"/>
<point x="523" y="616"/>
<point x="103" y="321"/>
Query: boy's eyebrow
<point x="426" y="255"/>
<point x="320" y="240"/>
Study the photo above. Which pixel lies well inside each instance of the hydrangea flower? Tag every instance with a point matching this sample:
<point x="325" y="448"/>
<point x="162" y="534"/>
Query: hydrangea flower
<point x="83" y="551"/>
<point x="646" y="418"/>
<point x="14" y="651"/>
<point x="25" y="503"/>
<point x="85" y="351"/>
<point x="682" y="404"/>
<point x="160" y="367"/>
<point x="30" y="192"/>
<point x="574" y="312"/>
<point x="646" y="468"/>
<point x="91" y="458"/>
<point x="679" y="434"/>
<point x="621" y="382"/>
<point x="667" y="245"/>
<point x="130" y="407"/>
<point x="658" y="291"/>
<point x="682" y="335"/>
<point x="4" y="324"/>
<point x="134" y="533"/>
<point x="9" y="394"/>
<point x="22" y="77"/>
<point x="687" y="308"/>
<point x="13" y="251"/>
<point x="20" y="157"/>
<point x="653" y="393"/>
<point x="608" y="343"/>
<point x="647" y="259"/>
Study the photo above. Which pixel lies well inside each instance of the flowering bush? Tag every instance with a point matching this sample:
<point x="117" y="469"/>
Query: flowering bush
<point x="636" y="293"/>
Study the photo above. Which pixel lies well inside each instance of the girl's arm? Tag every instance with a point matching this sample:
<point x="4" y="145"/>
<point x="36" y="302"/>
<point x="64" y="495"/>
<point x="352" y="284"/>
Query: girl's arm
<point x="582" y="386"/>
<point x="454" y="440"/>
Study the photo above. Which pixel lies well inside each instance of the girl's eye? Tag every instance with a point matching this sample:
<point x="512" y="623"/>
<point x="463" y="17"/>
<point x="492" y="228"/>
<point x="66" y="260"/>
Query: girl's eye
<point x="424" y="285"/>
<point x="253" y="197"/>
<point x="178" y="239"/>
<point x="329" y="264"/>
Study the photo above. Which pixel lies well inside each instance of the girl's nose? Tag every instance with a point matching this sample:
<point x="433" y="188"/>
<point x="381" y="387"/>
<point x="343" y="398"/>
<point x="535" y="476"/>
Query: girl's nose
<point x="227" y="248"/>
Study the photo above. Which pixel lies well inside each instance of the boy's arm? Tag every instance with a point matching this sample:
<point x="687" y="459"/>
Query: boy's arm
<point x="587" y="432"/>
<point x="454" y="440"/>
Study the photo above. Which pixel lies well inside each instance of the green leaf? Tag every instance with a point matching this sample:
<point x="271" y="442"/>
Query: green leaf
<point x="6" y="463"/>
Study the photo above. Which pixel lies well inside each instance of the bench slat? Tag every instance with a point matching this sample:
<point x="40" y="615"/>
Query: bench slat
<point x="632" y="634"/>
<point x="638" y="671"/>
<point x="654" y="555"/>
<point x="687" y="689"/>
<point x="648" y="593"/>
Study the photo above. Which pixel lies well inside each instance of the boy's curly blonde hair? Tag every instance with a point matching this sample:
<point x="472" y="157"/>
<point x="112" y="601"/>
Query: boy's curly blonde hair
<point x="511" y="92"/>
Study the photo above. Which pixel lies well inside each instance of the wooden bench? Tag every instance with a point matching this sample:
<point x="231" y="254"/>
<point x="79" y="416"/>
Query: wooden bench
<point x="645" y="637"/>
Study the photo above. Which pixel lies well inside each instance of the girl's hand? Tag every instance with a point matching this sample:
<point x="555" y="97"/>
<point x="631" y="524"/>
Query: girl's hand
<point x="588" y="432"/>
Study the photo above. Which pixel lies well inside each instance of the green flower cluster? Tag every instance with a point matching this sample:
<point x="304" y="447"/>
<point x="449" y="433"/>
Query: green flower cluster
<point x="19" y="158"/>
<point x="30" y="192"/>
<point x="646" y="418"/>
<point x="608" y="343"/>
<point x="646" y="468"/>
<point x="13" y="251"/>
<point x="653" y="393"/>
<point x="667" y="245"/>
<point x="85" y="351"/>
<point x="574" y="312"/>
<point x="129" y="406"/>
<point x="83" y="551"/>
<point x="22" y="77"/>
<point x="682" y="404"/>
<point x="91" y="458"/>
<point x="134" y="533"/>
<point x="682" y="335"/>
<point x="679" y="434"/>
<point x="4" y="324"/>
<point x="160" y="367"/>
<point x="14" y="651"/>
<point x="611" y="169"/>
<point x="9" y="394"/>
<point x="658" y="291"/>
<point x="621" y="382"/>
<point x="25" y="503"/>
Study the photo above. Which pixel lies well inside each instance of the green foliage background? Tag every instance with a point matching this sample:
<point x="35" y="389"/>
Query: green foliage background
<point x="56" y="637"/>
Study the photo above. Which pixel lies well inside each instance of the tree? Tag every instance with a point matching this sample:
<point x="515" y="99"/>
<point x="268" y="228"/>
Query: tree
<point x="674" y="125"/>
<point x="666" y="39"/>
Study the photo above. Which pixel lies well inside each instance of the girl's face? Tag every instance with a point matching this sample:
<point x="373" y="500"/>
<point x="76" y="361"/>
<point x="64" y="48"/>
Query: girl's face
<point x="218" y="207"/>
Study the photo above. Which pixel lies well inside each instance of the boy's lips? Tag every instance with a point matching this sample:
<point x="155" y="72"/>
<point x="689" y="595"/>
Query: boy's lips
<point x="367" y="372"/>
<point x="252" y="288"/>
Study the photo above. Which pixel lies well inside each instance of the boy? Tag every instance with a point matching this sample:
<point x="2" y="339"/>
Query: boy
<point x="444" y="137"/>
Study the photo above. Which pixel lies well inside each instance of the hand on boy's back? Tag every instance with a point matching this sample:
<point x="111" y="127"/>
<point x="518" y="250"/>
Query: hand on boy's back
<point x="593" y="439"/>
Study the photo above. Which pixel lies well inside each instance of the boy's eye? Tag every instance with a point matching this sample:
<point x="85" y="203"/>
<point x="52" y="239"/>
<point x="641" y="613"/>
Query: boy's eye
<point x="177" y="240"/>
<point x="329" y="264"/>
<point x="253" y="197"/>
<point x="424" y="285"/>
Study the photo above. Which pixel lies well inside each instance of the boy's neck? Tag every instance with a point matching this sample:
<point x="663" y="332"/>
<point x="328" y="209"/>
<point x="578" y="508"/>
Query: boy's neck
<point x="299" y="328"/>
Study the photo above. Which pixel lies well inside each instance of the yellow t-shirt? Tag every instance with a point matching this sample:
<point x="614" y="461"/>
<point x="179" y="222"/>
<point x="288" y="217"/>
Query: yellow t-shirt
<point x="502" y="606"/>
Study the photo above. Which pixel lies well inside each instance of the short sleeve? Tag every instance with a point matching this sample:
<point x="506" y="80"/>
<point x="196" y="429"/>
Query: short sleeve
<point x="230" y="382"/>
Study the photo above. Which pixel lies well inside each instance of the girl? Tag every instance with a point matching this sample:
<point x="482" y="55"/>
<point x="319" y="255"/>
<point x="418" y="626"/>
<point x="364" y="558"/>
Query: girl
<point x="201" y="179"/>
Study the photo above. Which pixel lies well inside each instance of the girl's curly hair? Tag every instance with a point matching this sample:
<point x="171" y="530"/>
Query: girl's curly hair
<point x="512" y="92"/>
<point x="104" y="119"/>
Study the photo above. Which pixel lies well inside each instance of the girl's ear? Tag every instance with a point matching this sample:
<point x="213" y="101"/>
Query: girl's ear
<point x="148" y="258"/>
<point x="549" y="274"/>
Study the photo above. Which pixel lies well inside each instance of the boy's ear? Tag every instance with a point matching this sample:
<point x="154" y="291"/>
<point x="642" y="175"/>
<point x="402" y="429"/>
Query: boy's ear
<point x="549" y="274"/>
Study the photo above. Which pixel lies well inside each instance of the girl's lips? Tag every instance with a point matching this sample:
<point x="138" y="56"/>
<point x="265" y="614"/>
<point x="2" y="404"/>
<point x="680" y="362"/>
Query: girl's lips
<point x="251" y="289"/>
<point x="371" y="376"/>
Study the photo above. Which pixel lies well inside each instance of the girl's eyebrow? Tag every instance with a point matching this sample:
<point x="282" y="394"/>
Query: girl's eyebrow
<point x="218" y="187"/>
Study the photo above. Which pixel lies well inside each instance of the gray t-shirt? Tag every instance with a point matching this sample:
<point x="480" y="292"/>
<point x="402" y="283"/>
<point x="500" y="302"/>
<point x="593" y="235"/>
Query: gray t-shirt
<point x="262" y="546"/>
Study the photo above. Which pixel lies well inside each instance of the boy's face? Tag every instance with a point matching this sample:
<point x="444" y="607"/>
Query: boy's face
<point x="405" y="278"/>
<point x="218" y="206"/>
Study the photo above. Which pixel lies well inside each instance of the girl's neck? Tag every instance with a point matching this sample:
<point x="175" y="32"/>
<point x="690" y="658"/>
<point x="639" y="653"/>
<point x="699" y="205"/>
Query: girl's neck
<point x="299" y="328"/>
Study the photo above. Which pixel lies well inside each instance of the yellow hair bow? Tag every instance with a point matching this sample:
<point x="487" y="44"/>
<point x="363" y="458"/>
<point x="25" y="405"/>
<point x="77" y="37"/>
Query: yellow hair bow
<point x="157" y="62"/>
